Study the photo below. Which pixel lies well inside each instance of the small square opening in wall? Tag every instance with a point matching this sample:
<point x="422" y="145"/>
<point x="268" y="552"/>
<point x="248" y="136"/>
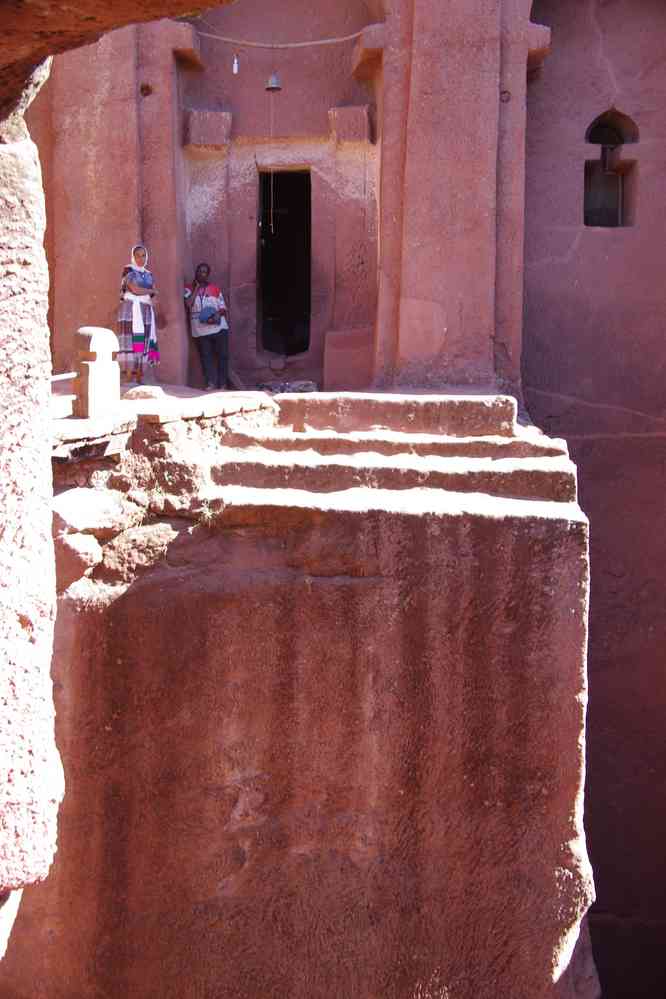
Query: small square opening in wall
<point x="610" y="193"/>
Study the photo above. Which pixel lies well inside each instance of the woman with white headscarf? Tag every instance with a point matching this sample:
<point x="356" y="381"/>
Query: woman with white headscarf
<point x="136" y="317"/>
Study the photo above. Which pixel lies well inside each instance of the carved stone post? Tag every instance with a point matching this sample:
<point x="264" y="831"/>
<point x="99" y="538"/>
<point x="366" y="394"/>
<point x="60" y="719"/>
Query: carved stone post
<point x="98" y="379"/>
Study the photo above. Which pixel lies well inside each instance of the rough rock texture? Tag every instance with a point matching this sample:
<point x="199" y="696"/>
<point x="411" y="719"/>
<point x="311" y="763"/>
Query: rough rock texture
<point x="75" y="554"/>
<point x="30" y="32"/>
<point x="97" y="512"/>
<point x="30" y="775"/>
<point x="31" y="782"/>
<point x="318" y="743"/>
<point x="594" y="372"/>
<point x="364" y="851"/>
<point x="136" y="550"/>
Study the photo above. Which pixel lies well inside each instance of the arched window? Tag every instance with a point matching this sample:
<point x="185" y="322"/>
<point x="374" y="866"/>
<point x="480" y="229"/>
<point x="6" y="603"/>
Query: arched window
<point x="610" y="189"/>
<point x="612" y="128"/>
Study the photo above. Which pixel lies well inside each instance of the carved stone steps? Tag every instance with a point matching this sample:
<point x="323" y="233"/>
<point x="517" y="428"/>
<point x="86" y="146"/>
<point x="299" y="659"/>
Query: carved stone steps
<point x="353" y="412"/>
<point x="546" y="478"/>
<point x="527" y="443"/>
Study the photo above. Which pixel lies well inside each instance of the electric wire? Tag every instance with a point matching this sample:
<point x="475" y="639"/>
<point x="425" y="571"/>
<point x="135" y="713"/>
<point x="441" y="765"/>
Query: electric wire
<point x="243" y="43"/>
<point x="271" y="95"/>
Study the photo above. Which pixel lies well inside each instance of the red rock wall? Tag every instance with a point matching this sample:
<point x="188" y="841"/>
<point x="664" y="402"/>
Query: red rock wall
<point x="314" y="79"/>
<point x="594" y="373"/>
<point x="34" y="31"/>
<point x="330" y="749"/>
<point x="30" y="772"/>
<point x="117" y="172"/>
<point x="441" y="214"/>
<point x="480" y="859"/>
<point x="344" y="239"/>
<point x="85" y="123"/>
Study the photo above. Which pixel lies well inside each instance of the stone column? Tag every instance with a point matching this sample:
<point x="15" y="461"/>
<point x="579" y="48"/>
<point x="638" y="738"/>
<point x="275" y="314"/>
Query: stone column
<point x="160" y="44"/>
<point x="31" y="783"/>
<point x="348" y="349"/>
<point x="452" y="193"/>
<point x="523" y="44"/>
<point x="447" y="296"/>
<point x="392" y="89"/>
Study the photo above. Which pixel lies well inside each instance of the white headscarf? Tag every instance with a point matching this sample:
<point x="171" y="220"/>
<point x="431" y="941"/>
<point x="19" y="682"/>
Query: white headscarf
<point x="133" y="263"/>
<point x="138" y="300"/>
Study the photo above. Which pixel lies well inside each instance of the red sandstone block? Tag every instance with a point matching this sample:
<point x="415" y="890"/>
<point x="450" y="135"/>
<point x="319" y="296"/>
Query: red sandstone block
<point x="346" y="731"/>
<point x="207" y="129"/>
<point x="348" y="357"/>
<point x="75" y="554"/>
<point x="456" y="415"/>
<point x="368" y="51"/>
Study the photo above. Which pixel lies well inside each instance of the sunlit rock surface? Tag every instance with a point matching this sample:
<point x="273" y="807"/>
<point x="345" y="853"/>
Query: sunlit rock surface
<point x="322" y="739"/>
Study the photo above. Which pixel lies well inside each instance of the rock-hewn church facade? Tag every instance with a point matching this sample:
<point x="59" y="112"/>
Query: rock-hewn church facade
<point x="411" y="197"/>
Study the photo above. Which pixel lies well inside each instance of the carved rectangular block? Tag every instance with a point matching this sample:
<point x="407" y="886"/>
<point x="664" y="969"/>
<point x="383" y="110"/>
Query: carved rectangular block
<point x="368" y="52"/>
<point x="207" y="129"/>
<point x="186" y="45"/>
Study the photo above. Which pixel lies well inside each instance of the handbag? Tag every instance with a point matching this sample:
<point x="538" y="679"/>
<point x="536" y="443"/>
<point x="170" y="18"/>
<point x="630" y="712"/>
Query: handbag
<point x="209" y="314"/>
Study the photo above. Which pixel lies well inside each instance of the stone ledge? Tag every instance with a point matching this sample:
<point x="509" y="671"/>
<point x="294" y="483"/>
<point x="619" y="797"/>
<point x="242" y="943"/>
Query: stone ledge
<point x="75" y="430"/>
<point x="201" y="406"/>
<point x="186" y="45"/>
<point x="538" y="478"/>
<point x="244" y="505"/>
<point x="368" y="52"/>
<point x="174" y="402"/>
<point x="100" y="512"/>
<point x="538" y="41"/>
<point x="459" y="415"/>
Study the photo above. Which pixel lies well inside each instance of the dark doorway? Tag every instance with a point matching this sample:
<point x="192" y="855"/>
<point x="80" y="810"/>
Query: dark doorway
<point x="283" y="264"/>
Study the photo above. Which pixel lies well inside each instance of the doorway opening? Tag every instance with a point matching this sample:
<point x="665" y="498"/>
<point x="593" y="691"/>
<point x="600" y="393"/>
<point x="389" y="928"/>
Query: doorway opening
<point x="283" y="261"/>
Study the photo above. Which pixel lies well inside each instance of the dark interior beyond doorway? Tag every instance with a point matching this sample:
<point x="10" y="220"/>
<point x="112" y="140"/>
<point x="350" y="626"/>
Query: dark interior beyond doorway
<point x="283" y="296"/>
<point x="603" y="196"/>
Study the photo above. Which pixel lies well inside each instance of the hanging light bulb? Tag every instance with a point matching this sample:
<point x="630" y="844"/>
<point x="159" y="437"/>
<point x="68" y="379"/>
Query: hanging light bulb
<point x="235" y="66"/>
<point x="273" y="82"/>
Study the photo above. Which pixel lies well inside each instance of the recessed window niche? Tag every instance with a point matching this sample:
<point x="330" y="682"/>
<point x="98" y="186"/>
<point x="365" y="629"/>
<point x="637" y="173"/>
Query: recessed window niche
<point x="610" y="181"/>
